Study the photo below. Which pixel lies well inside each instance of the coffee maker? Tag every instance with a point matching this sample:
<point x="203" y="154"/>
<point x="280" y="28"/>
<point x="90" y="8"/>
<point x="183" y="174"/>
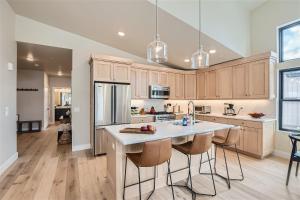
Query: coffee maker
<point x="229" y="109"/>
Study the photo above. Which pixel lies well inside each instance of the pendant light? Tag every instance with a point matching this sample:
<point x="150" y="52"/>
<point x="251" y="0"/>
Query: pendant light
<point x="157" y="50"/>
<point x="200" y="59"/>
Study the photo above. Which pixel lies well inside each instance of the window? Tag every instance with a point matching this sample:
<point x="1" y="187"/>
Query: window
<point x="289" y="42"/>
<point x="289" y="100"/>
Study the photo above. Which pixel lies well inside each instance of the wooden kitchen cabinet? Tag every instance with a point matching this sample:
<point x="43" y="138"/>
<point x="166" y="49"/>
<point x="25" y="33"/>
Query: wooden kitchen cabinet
<point x="139" y="83"/>
<point x="224" y="83"/>
<point x="172" y="85"/>
<point x="163" y="78"/>
<point x="210" y="86"/>
<point x="201" y="94"/>
<point x="179" y="86"/>
<point x="259" y="79"/>
<point x="103" y="71"/>
<point x="121" y="73"/>
<point x="190" y="86"/>
<point x="240" y="81"/>
<point x="252" y="140"/>
<point x="153" y="78"/>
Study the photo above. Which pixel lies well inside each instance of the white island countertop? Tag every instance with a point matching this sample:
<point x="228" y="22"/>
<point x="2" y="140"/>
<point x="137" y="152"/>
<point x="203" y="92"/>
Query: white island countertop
<point x="163" y="130"/>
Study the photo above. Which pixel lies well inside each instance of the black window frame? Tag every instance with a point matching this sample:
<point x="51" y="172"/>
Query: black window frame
<point x="280" y="30"/>
<point x="281" y="99"/>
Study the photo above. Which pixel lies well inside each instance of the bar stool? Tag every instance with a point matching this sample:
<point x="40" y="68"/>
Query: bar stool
<point x="154" y="153"/>
<point x="200" y="144"/>
<point x="230" y="140"/>
<point x="295" y="155"/>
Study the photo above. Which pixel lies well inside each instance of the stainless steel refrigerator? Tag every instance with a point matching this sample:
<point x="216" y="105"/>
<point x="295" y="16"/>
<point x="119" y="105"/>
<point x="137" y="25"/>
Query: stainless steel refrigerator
<point x="112" y="107"/>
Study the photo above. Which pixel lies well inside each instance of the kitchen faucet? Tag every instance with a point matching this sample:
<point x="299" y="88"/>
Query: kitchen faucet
<point x="192" y="114"/>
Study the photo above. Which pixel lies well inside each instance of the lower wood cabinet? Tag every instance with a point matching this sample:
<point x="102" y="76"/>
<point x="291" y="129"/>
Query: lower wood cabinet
<point x="256" y="138"/>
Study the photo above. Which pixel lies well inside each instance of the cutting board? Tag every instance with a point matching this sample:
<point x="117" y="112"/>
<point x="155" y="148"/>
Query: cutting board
<point x="135" y="131"/>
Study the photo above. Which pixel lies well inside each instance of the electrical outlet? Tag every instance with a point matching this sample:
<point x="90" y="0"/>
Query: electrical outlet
<point x="10" y="66"/>
<point x="76" y="109"/>
<point x="6" y="111"/>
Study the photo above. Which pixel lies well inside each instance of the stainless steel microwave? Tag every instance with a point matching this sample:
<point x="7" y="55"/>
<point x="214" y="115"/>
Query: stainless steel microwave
<point x="159" y="92"/>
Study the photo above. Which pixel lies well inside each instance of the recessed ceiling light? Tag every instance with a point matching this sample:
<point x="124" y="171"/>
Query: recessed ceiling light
<point x="121" y="34"/>
<point x="30" y="57"/>
<point x="212" y="51"/>
<point x="36" y="65"/>
<point x="186" y="60"/>
<point x="59" y="73"/>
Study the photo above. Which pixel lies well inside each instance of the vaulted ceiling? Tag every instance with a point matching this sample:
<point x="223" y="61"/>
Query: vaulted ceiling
<point x="101" y="20"/>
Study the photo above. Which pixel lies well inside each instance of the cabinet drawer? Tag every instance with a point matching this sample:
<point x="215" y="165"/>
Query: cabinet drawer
<point x="137" y="120"/>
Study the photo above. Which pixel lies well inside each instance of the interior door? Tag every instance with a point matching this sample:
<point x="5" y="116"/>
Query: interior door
<point x="103" y="104"/>
<point x="122" y="101"/>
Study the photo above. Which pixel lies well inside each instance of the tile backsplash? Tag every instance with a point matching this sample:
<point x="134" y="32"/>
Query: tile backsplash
<point x="265" y="106"/>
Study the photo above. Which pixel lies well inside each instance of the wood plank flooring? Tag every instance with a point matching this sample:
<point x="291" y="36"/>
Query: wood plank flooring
<point x="47" y="171"/>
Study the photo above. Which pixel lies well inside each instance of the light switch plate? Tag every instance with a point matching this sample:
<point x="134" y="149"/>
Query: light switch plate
<point x="76" y="109"/>
<point x="6" y="111"/>
<point x="10" y="66"/>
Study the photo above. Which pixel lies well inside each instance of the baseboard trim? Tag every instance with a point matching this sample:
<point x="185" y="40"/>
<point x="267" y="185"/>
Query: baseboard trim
<point x="8" y="163"/>
<point x="281" y="154"/>
<point x="81" y="147"/>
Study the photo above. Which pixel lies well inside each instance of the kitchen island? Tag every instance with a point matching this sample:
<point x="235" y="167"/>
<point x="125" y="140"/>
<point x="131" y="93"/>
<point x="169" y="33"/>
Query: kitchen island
<point x="118" y="144"/>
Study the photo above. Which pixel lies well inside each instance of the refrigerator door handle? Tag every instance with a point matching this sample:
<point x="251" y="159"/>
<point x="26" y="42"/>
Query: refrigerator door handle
<point x="113" y="104"/>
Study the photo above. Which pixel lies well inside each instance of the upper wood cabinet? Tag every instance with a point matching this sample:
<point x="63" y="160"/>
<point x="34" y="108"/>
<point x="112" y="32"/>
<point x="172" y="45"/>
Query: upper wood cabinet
<point x="190" y="85"/>
<point x="139" y="83"/>
<point x="201" y="94"/>
<point x="121" y="73"/>
<point x="110" y="69"/>
<point x="224" y="83"/>
<point x="172" y="84"/>
<point x="210" y="86"/>
<point x="179" y="86"/>
<point x="153" y="78"/>
<point x="259" y="79"/>
<point x="163" y="78"/>
<point x="103" y="71"/>
<point x="240" y="81"/>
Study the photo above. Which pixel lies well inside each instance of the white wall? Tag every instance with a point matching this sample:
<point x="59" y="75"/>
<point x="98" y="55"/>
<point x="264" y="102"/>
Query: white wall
<point x="31" y="31"/>
<point x="228" y="22"/>
<point x="30" y="104"/>
<point x="8" y="53"/>
<point x="46" y="107"/>
<point x="266" y="19"/>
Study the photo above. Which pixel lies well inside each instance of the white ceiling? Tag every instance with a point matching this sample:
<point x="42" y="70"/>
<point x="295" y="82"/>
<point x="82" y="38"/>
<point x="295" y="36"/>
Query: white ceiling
<point x="101" y="20"/>
<point x="49" y="59"/>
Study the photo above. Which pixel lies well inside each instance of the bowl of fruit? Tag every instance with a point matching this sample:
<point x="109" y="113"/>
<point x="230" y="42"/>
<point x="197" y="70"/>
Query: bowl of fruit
<point x="256" y="115"/>
<point x="148" y="128"/>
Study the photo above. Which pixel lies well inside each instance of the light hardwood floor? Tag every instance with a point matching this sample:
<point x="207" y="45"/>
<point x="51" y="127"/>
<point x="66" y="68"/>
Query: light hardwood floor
<point x="47" y="171"/>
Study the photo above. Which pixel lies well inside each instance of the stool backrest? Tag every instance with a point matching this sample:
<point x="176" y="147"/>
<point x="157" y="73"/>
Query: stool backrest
<point x="156" y="152"/>
<point x="233" y="136"/>
<point x="201" y="143"/>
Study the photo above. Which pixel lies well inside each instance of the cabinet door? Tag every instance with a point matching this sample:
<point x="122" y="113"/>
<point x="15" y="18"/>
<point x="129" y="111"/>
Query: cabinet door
<point x="171" y="84"/>
<point x="240" y="81"/>
<point x="190" y="86"/>
<point x="240" y="143"/>
<point x="201" y="86"/>
<point x="224" y="83"/>
<point x="153" y="78"/>
<point x="210" y="84"/>
<point x="179" y="86"/>
<point x="142" y="84"/>
<point x="259" y="79"/>
<point x="252" y="140"/>
<point x="103" y="71"/>
<point x="121" y="73"/>
<point x="133" y="82"/>
<point x="163" y="78"/>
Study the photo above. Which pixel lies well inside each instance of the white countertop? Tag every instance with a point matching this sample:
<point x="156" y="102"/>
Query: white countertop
<point x="163" y="130"/>
<point x="242" y="117"/>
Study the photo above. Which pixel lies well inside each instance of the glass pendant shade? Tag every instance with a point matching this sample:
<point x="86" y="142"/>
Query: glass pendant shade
<point x="200" y="59"/>
<point x="157" y="51"/>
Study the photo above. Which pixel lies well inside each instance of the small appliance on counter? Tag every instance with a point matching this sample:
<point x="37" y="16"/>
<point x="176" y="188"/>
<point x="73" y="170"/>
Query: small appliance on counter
<point x="229" y="109"/>
<point x="202" y="109"/>
<point x="134" y="110"/>
<point x="168" y="107"/>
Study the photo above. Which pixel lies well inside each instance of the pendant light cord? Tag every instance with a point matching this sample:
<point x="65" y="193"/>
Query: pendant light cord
<point x="199" y="24"/>
<point x="156" y="21"/>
